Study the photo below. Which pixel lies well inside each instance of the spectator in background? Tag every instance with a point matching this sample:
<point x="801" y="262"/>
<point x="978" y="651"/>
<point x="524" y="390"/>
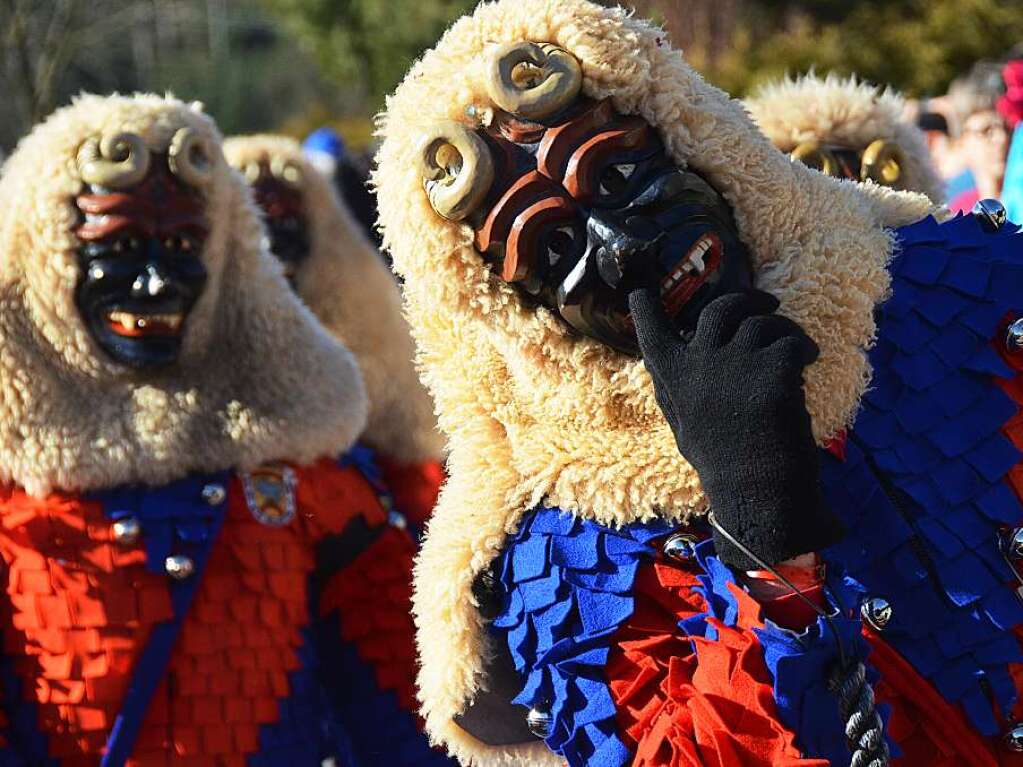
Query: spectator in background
<point x="1011" y="107"/>
<point x="327" y="152"/>
<point x="983" y="138"/>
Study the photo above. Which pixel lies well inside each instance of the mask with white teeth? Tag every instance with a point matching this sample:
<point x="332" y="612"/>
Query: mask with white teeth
<point x="582" y="206"/>
<point x="141" y="236"/>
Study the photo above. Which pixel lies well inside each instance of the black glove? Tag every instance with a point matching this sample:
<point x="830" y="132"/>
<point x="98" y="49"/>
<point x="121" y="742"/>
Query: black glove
<point x="733" y="396"/>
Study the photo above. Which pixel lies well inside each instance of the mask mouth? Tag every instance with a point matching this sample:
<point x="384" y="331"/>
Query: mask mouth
<point x="700" y="262"/>
<point x="133" y="323"/>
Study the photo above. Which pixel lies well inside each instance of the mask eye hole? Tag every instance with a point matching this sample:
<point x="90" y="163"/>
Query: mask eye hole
<point x="560" y="243"/>
<point x="615" y="177"/>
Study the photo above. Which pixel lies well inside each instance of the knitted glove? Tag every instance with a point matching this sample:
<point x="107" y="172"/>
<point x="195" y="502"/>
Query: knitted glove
<point x="733" y="396"/>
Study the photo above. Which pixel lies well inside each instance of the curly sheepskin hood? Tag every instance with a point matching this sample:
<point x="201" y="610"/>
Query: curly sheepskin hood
<point x="533" y="411"/>
<point x="846" y="112"/>
<point x="350" y="289"/>
<point x="257" y="378"/>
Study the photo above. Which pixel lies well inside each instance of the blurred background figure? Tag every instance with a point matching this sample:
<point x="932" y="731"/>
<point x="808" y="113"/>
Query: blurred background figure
<point x="847" y="128"/>
<point x="1011" y="107"/>
<point x="328" y="153"/>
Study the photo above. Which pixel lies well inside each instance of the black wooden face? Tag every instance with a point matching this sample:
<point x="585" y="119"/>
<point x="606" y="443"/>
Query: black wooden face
<point x="141" y="267"/>
<point x="590" y="207"/>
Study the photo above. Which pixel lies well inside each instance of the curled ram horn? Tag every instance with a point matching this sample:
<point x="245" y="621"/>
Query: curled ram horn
<point x="190" y="157"/>
<point x="533" y="81"/>
<point x="286" y="171"/>
<point x="882" y="162"/>
<point x="812" y="154"/>
<point x="456" y="168"/>
<point x="115" y="161"/>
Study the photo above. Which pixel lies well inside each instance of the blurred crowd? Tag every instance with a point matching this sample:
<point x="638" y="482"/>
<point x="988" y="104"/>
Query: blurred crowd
<point x="974" y="135"/>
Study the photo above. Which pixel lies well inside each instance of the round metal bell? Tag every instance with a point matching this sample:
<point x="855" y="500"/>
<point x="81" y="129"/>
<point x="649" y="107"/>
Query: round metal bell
<point x="397" y="519"/>
<point x="1012" y="543"/>
<point x="877" y="612"/>
<point x="991" y="214"/>
<point x="539" y="722"/>
<point x="179" y="567"/>
<point x="127" y="531"/>
<point x="1014" y="738"/>
<point x="1014" y="336"/>
<point x="214" y="494"/>
<point x="680" y="547"/>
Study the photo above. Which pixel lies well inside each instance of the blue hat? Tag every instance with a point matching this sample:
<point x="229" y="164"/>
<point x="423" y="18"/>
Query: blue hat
<point x="325" y="141"/>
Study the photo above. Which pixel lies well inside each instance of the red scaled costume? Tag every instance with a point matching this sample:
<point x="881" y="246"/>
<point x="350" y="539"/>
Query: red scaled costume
<point x="338" y="273"/>
<point x="200" y="567"/>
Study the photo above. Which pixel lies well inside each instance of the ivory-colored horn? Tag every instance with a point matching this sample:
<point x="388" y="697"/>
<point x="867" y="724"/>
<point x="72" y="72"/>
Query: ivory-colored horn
<point x="533" y="80"/>
<point x="810" y="153"/>
<point x="115" y="161"/>
<point x="190" y="157"/>
<point x="456" y="168"/>
<point x="882" y="162"/>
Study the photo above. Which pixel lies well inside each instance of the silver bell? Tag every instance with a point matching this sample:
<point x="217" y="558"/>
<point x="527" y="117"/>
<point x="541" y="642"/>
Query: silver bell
<point x="127" y="531"/>
<point x="991" y="214"/>
<point x="876" y="612"/>
<point x="397" y="519"/>
<point x="1012" y="543"/>
<point x="1014" y="336"/>
<point x="680" y="547"/>
<point x="1014" y="738"/>
<point x="539" y="722"/>
<point x="213" y="494"/>
<point x="179" y="567"/>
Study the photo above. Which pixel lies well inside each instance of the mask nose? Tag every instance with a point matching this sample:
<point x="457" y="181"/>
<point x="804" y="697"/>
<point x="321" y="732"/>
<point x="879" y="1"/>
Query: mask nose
<point x="611" y="246"/>
<point x="151" y="282"/>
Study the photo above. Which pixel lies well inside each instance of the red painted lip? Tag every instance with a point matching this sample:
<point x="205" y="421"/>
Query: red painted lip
<point x="679" y="286"/>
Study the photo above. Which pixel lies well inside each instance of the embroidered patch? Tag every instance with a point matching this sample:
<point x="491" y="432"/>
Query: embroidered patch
<point x="270" y="494"/>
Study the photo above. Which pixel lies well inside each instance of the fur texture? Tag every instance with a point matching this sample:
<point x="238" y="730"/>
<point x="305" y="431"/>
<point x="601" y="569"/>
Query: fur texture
<point x="258" y="379"/>
<point x="349" y="288"/>
<point x="534" y="411"/>
<point x="846" y="112"/>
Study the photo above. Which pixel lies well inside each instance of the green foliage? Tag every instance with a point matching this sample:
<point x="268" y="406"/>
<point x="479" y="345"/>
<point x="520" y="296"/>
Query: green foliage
<point x="918" y="46"/>
<point x="368" y="44"/>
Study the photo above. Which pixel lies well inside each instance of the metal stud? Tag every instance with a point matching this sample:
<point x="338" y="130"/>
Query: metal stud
<point x="1014" y="738"/>
<point x="179" y="567"/>
<point x="1014" y="336"/>
<point x="214" y="494"/>
<point x="680" y="546"/>
<point x="397" y="519"/>
<point x="539" y="722"/>
<point x="1012" y="543"/>
<point x="127" y="531"/>
<point x="991" y="214"/>
<point x="877" y="612"/>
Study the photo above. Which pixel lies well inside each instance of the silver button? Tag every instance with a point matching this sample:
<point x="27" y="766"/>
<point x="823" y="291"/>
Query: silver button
<point x="876" y="612"/>
<point x="127" y="531"/>
<point x="397" y="519"/>
<point x="1014" y="738"/>
<point x="1012" y="543"/>
<point x="539" y="722"/>
<point x="213" y="494"/>
<point x="991" y="214"/>
<point x="680" y="546"/>
<point x="179" y="567"/>
<point x="1014" y="336"/>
